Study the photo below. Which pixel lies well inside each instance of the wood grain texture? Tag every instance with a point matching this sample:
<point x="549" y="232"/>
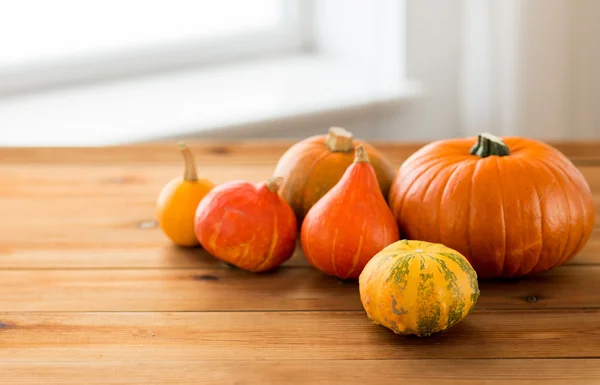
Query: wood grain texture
<point x="63" y="337"/>
<point x="288" y="288"/>
<point x="87" y="255"/>
<point x="163" y="256"/>
<point x="284" y="372"/>
<point x="93" y="292"/>
<point x="246" y="152"/>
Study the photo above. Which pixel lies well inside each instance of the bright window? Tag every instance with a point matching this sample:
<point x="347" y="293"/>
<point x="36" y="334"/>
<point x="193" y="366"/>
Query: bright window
<point x="55" y="37"/>
<point x="102" y="72"/>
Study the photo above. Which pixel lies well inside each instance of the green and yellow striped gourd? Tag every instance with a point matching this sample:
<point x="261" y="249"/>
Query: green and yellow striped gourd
<point x="419" y="288"/>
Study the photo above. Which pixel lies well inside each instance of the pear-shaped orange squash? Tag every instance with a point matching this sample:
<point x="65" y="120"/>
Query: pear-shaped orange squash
<point x="177" y="202"/>
<point x="350" y="224"/>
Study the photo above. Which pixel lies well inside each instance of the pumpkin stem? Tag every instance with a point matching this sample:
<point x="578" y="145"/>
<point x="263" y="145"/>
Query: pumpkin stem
<point x="339" y="140"/>
<point x="274" y="183"/>
<point x="488" y="144"/>
<point x="189" y="173"/>
<point x="360" y="155"/>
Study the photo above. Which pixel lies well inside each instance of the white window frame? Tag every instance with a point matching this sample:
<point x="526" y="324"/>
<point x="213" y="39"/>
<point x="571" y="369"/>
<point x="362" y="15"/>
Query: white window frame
<point x="292" y="36"/>
<point x="354" y="67"/>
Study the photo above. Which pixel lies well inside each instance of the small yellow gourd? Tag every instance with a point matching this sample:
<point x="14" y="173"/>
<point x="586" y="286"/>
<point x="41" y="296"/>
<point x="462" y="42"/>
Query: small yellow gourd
<point x="178" y="200"/>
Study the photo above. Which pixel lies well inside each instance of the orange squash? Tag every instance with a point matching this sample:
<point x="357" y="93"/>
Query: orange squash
<point x="249" y="226"/>
<point x="350" y="224"/>
<point x="178" y="200"/>
<point x="512" y="206"/>
<point x="314" y="165"/>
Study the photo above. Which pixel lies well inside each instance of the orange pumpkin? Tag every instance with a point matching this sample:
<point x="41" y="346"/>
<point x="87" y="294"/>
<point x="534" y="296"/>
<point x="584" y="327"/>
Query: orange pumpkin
<point x="512" y="206"/>
<point x="178" y="200"/>
<point x="314" y="165"/>
<point x="247" y="225"/>
<point x="350" y="224"/>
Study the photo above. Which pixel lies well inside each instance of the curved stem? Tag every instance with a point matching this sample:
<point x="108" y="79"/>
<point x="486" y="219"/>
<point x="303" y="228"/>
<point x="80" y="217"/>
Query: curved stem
<point x="339" y="140"/>
<point x="487" y="145"/>
<point x="360" y="155"/>
<point x="274" y="183"/>
<point x="189" y="174"/>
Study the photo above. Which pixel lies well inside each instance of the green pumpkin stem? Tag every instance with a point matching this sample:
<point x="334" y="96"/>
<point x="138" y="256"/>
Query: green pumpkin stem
<point x="487" y="145"/>
<point x="189" y="174"/>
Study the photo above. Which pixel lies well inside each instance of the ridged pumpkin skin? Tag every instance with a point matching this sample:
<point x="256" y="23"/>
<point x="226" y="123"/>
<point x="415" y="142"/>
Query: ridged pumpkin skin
<point x="349" y="225"/>
<point x="510" y="215"/>
<point x="418" y="288"/>
<point x="310" y="169"/>
<point x="247" y="225"/>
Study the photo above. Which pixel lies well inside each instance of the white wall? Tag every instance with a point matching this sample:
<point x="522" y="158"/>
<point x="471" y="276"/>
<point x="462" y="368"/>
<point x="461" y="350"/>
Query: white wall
<point x="433" y="43"/>
<point x="535" y="72"/>
<point x="513" y="67"/>
<point x="531" y="68"/>
<point x="585" y="69"/>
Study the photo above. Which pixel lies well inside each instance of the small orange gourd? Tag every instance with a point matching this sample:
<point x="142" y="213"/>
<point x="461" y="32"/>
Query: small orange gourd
<point x="178" y="200"/>
<point x="350" y="224"/>
<point x="247" y="225"/>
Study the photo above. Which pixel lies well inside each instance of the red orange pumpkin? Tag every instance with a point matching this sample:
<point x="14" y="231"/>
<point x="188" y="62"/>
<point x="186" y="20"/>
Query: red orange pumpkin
<point x="512" y="206"/>
<point x="247" y="225"/>
<point x="350" y="224"/>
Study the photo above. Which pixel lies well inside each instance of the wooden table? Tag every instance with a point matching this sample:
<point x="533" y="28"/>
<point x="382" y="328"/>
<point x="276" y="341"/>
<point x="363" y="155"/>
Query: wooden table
<point x="92" y="292"/>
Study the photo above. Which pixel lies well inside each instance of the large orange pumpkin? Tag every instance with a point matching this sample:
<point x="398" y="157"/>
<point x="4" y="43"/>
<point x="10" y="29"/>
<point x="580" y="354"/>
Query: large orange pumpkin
<point x="511" y="206"/>
<point x="314" y="165"/>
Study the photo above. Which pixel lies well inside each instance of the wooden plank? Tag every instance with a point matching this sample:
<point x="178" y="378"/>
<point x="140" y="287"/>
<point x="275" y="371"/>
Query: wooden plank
<point x="415" y="372"/>
<point x="172" y="290"/>
<point x="157" y="153"/>
<point x="571" y="286"/>
<point x="590" y="254"/>
<point x="156" y="252"/>
<point x="224" y="289"/>
<point x="111" y="181"/>
<point x="162" y="256"/>
<point x="229" y="151"/>
<point x="92" y="337"/>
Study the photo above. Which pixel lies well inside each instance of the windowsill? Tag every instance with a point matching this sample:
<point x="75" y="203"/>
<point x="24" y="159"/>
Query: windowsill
<point x="190" y="103"/>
